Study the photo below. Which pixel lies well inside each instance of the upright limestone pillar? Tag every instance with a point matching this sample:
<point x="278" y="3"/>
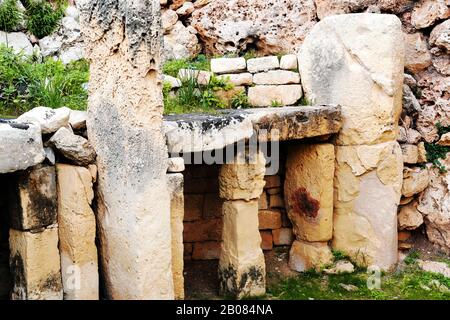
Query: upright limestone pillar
<point x="356" y="61"/>
<point x="123" y="44"/>
<point x="242" y="270"/>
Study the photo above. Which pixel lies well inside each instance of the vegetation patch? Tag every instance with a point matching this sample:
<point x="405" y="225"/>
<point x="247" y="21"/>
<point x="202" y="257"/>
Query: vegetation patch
<point x="437" y="152"/>
<point x="172" y="67"/>
<point x="42" y="17"/>
<point x="26" y="83"/>
<point x="9" y="15"/>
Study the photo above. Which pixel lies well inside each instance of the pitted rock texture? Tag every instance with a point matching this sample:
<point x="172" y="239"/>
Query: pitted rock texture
<point x="269" y="26"/>
<point x="356" y="61"/>
<point x="123" y="44"/>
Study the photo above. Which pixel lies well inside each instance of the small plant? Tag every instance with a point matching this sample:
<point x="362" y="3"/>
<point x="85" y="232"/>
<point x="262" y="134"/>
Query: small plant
<point x="172" y="67"/>
<point x="339" y="255"/>
<point x="210" y="101"/>
<point x="216" y="83"/>
<point x="10" y="15"/>
<point x="441" y="129"/>
<point x="240" y="101"/>
<point x="412" y="257"/>
<point x="304" y="101"/>
<point x="43" y="17"/>
<point x="250" y="54"/>
<point x="275" y="104"/>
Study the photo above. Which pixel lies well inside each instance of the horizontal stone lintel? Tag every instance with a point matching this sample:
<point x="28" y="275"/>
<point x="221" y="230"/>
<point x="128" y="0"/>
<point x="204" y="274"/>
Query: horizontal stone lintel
<point x="204" y="132"/>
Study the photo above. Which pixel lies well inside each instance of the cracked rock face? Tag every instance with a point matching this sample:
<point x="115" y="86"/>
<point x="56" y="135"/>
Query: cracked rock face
<point x="356" y="61"/>
<point x="269" y="26"/>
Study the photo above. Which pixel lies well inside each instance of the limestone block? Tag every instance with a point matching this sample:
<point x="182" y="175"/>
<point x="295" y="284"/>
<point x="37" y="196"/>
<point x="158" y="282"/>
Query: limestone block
<point x="243" y="179"/>
<point x="276" y="201"/>
<point x="33" y="199"/>
<point x="275" y="77"/>
<point x="266" y="240"/>
<point x="262" y="64"/>
<point x="440" y="36"/>
<point x="422" y="153"/>
<point x="20" y="146"/>
<point x="415" y="180"/>
<point x="203" y="230"/>
<point x="417" y="55"/>
<point x="175" y="184"/>
<point x="226" y="96"/>
<point x="174" y="82"/>
<point x="356" y="61"/>
<point x="186" y="9"/>
<point x="176" y="165"/>
<point x="77" y="119"/>
<point x="125" y="129"/>
<point x="308" y="190"/>
<point x="263" y="202"/>
<point x="368" y="183"/>
<point x="201" y="76"/>
<point x="241" y="264"/>
<point x="228" y="65"/>
<point x="77" y="231"/>
<point x="269" y="219"/>
<point x="305" y="256"/>
<point x="266" y="95"/>
<point x="409" y="218"/>
<point x="73" y="147"/>
<point x="410" y="153"/>
<point x="168" y="19"/>
<point x="272" y="182"/>
<point x="49" y="119"/>
<point x="283" y="237"/>
<point x="35" y="262"/>
<point x="238" y="79"/>
<point x="18" y="41"/>
<point x="289" y="62"/>
<point x="444" y="140"/>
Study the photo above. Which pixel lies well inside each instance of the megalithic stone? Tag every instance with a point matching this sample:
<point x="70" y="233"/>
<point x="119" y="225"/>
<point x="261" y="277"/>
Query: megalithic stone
<point x="35" y="264"/>
<point x="123" y="44"/>
<point x="175" y="181"/>
<point x="76" y="220"/>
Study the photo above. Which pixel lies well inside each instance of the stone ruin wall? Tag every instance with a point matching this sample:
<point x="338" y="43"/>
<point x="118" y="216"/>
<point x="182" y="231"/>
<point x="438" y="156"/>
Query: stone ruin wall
<point x="367" y="155"/>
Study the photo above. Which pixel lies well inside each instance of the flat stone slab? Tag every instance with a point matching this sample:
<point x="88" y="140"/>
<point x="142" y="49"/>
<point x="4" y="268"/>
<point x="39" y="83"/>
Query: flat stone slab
<point x="20" y="145"/>
<point x="204" y="132"/>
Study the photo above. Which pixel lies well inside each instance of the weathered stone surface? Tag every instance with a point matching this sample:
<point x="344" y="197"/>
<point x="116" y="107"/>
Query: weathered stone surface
<point x="18" y="41"/>
<point x="123" y="45"/>
<point x="20" y="146"/>
<point x="409" y="218"/>
<point x="181" y="42"/>
<point x="269" y="219"/>
<point x="175" y="184"/>
<point x="434" y="204"/>
<point x="427" y="12"/>
<point x="73" y="147"/>
<point x="440" y="36"/>
<point x="49" y="119"/>
<point x="262" y="64"/>
<point x="410" y="102"/>
<point x="263" y="202"/>
<point x="442" y="63"/>
<point x="168" y="18"/>
<point x="241" y="264"/>
<point x="203" y="230"/>
<point x="226" y="96"/>
<point x="33" y="199"/>
<point x="289" y="62"/>
<point x="202" y="132"/>
<point x="282" y="237"/>
<point x="368" y="182"/>
<point x="435" y="267"/>
<point x="305" y="256"/>
<point x="444" y="140"/>
<point x="175" y="165"/>
<point x="266" y="240"/>
<point x="35" y="263"/>
<point x="409" y="136"/>
<point x="174" y="82"/>
<point x="340" y="267"/>
<point x="243" y="179"/>
<point x="77" y="119"/>
<point x="417" y="55"/>
<point x="422" y="158"/>
<point x="415" y="180"/>
<point x="437" y="112"/>
<point x="231" y="26"/>
<point x="410" y="153"/>
<point x="238" y="79"/>
<point x="76" y="221"/>
<point x="265" y="96"/>
<point x="308" y="190"/>
<point x="228" y="65"/>
<point x="186" y="9"/>
<point x="276" y="77"/>
<point x="356" y="61"/>
<point x="327" y="8"/>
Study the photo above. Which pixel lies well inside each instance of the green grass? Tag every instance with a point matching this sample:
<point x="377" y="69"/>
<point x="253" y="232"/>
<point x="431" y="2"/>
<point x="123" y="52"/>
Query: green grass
<point x="172" y="67"/>
<point x="409" y="284"/>
<point x="42" y="18"/>
<point x="26" y="83"/>
<point x="9" y="15"/>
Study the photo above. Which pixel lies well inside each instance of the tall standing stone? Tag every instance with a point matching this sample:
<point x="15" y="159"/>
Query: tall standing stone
<point x="175" y="181"/>
<point x="76" y="221"/>
<point x="123" y="44"/>
<point x="357" y="61"/>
